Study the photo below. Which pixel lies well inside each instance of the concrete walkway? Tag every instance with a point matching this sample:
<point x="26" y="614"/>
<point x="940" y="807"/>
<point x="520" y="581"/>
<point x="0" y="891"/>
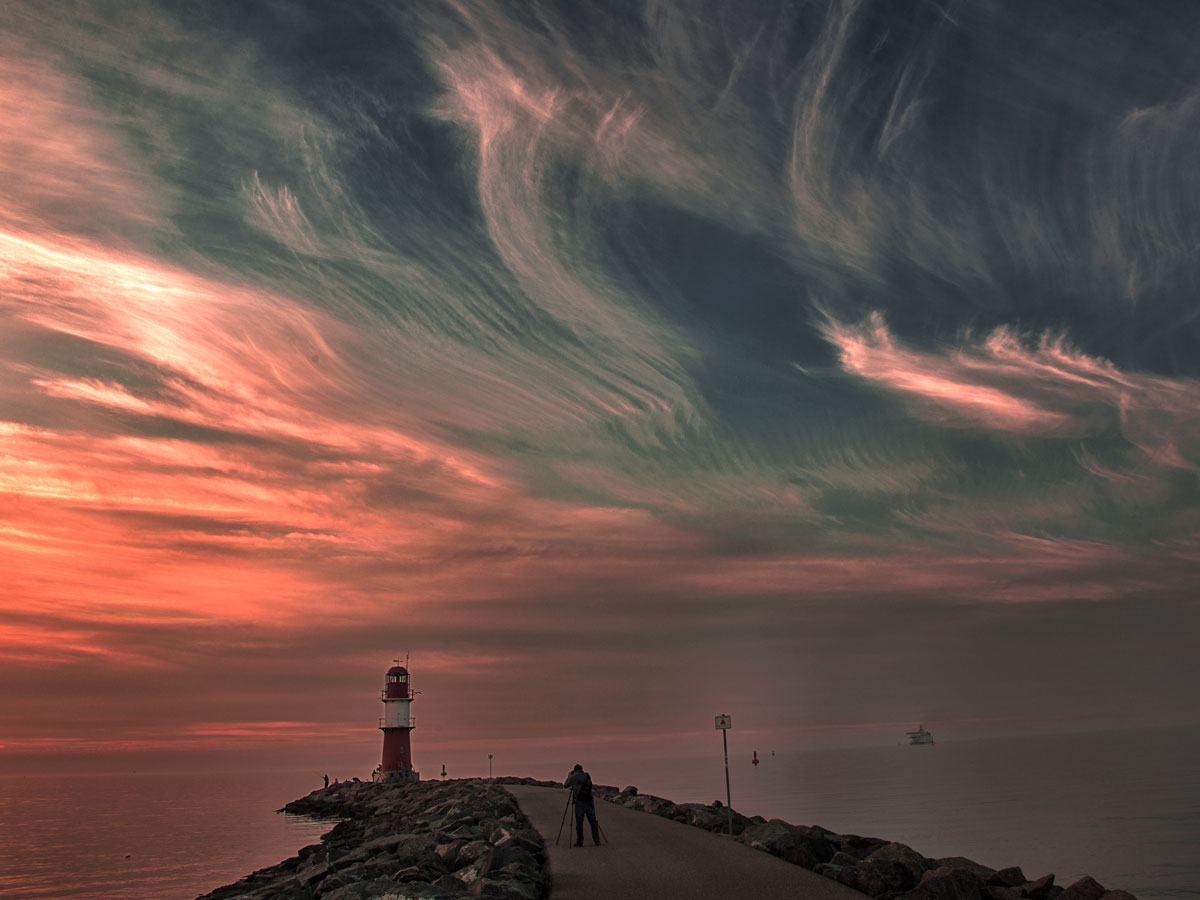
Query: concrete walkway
<point x="649" y="856"/>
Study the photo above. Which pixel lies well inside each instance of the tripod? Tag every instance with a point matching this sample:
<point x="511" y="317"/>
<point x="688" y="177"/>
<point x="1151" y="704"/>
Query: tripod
<point x="566" y="809"/>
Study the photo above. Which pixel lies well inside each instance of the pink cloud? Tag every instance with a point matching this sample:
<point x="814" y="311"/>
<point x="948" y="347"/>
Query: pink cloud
<point x="243" y="362"/>
<point x="943" y="384"/>
<point x="1041" y="388"/>
<point x="59" y="162"/>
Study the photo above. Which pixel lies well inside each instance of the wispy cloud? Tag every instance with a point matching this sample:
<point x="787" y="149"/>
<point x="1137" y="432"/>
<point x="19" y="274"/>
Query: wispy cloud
<point x="1044" y="387"/>
<point x="59" y="159"/>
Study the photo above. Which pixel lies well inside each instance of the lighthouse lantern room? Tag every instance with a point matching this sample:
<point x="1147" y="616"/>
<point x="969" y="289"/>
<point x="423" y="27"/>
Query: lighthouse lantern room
<point x="397" y="725"/>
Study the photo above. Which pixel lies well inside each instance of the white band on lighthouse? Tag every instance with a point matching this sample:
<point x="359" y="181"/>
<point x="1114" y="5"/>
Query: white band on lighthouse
<point x="395" y="714"/>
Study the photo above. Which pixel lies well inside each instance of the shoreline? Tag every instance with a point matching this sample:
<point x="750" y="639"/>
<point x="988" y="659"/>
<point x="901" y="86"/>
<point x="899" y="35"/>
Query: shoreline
<point x="463" y="838"/>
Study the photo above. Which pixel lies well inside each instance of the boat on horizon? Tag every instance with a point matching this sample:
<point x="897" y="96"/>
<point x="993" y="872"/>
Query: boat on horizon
<point x="920" y="737"/>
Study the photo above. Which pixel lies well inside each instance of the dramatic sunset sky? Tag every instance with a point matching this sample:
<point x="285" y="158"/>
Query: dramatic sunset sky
<point x="832" y="364"/>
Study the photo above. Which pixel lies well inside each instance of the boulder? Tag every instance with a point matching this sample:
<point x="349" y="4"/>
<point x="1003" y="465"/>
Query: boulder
<point x="1038" y="890"/>
<point x="416" y="873"/>
<point x="917" y="864"/>
<point x="475" y="870"/>
<point x="385" y="844"/>
<point x="473" y="850"/>
<point x="855" y="845"/>
<point x="412" y="849"/>
<point x="1117" y="895"/>
<point x="338" y="880"/>
<point x="514" y="779"/>
<point x="947" y="884"/>
<point x="961" y="862"/>
<point x="515" y="856"/>
<point x="788" y="842"/>
<point x="448" y="853"/>
<point x="843" y="875"/>
<point x="710" y="818"/>
<point x="659" y="807"/>
<point x="363" y="890"/>
<point x="383" y="864"/>
<point x="877" y="877"/>
<point x="816" y="839"/>
<point x="312" y="874"/>
<point x="526" y="839"/>
<point x="1010" y="877"/>
<point x="448" y="884"/>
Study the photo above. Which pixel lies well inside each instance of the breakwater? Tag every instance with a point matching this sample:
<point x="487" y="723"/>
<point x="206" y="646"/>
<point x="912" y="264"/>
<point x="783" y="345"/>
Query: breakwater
<point x="879" y="868"/>
<point x="443" y="840"/>
<point x="468" y="838"/>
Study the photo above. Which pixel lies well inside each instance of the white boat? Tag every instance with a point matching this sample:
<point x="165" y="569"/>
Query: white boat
<point x="920" y="736"/>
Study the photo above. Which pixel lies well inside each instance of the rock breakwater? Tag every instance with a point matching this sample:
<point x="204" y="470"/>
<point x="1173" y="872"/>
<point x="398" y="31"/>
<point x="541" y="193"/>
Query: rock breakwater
<point x="445" y="840"/>
<point x="454" y="840"/>
<point x="882" y="869"/>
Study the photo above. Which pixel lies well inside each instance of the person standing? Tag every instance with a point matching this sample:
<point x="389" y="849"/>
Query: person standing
<point x="580" y="782"/>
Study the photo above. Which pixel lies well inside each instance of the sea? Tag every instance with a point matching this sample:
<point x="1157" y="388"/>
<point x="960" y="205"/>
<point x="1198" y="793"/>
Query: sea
<point x="1123" y="807"/>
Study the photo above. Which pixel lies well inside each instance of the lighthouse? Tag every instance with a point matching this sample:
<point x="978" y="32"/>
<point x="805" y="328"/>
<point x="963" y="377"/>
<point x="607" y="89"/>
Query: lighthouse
<point x="396" y="725"/>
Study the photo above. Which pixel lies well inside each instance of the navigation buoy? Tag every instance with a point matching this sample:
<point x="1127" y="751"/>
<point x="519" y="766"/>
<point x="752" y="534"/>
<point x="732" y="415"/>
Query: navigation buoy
<point x="755" y="760"/>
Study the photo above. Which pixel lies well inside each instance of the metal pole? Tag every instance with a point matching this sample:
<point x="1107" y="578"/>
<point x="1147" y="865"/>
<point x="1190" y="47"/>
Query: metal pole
<point x="728" y="802"/>
<point x="489" y="765"/>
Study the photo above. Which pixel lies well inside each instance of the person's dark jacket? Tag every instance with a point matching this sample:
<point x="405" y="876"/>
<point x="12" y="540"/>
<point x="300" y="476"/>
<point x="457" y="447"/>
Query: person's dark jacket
<point x="576" y="780"/>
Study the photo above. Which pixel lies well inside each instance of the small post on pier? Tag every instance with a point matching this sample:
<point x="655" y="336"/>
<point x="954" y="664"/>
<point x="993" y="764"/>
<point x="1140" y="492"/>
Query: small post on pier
<point x="724" y="723"/>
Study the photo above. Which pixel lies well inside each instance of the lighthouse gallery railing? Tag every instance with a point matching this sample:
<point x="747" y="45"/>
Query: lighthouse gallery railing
<point x="383" y="723"/>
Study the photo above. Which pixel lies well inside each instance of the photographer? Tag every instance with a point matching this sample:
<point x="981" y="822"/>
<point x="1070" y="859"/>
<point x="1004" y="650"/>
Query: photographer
<point x="580" y="782"/>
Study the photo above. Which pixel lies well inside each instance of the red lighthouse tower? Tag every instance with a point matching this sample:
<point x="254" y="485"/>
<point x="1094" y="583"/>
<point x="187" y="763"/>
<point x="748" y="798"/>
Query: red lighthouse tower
<point x="396" y="725"/>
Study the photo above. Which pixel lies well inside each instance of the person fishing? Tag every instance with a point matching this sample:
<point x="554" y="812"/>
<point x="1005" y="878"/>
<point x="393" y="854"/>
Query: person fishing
<point x="579" y="783"/>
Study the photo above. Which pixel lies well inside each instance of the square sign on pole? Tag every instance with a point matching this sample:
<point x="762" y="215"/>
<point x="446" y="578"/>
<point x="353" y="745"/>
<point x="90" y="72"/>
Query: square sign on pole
<point x="724" y="723"/>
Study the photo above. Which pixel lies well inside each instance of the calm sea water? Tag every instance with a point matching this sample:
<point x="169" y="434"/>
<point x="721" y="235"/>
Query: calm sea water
<point x="1122" y="807"/>
<point x="147" y="836"/>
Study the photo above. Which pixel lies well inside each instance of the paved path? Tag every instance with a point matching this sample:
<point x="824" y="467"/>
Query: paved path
<point x="649" y="856"/>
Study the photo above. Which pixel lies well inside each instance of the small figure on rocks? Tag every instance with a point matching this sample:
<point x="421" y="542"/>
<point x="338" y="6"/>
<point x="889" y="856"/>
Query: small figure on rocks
<point x="326" y="781"/>
<point x="580" y="783"/>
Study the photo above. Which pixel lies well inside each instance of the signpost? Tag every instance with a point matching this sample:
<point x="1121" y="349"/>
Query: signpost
<point x="724" y="723"/>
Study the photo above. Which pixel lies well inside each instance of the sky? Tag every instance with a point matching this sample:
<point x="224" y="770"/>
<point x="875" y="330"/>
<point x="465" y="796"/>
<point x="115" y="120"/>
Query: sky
<point x="832" y="364"/>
